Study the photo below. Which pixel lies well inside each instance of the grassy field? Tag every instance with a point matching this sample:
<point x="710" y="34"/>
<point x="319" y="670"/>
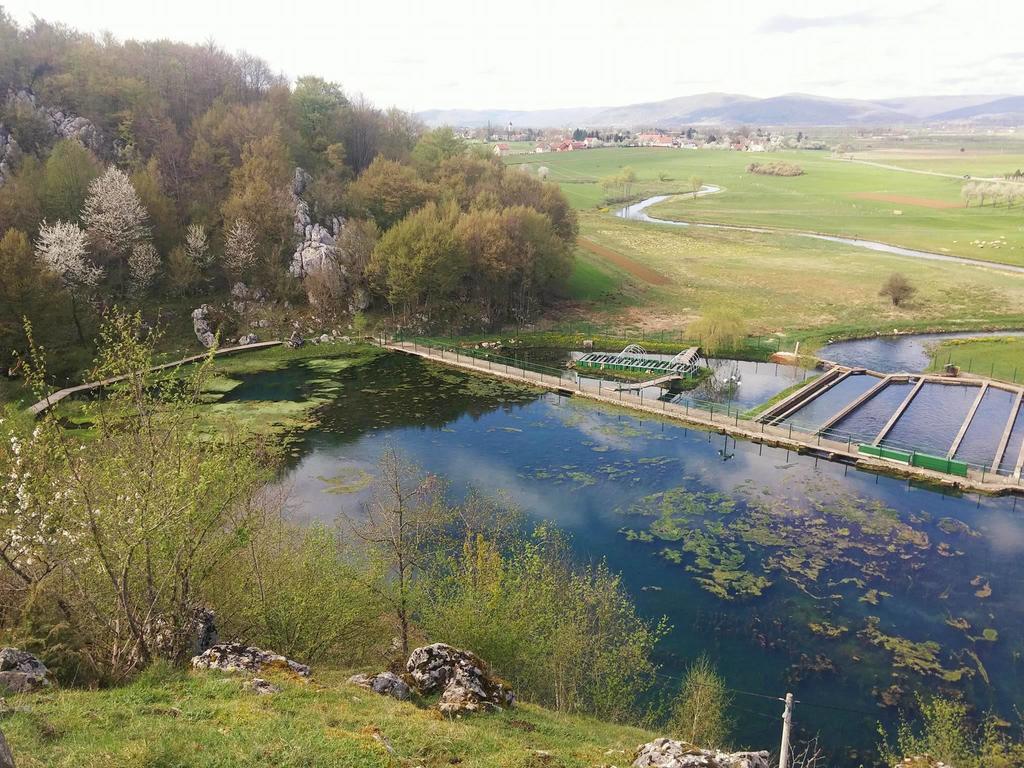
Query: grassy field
<point x="833" y="196"/>
<point x="996" y="358"/>
<point x="973" y="163"/>
<point x="799" y="287"/>
<point x="174" y="719"/>
<point x="595" y="280"/>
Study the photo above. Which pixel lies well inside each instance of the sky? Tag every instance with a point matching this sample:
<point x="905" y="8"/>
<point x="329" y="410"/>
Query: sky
<point x="428" y="54"/>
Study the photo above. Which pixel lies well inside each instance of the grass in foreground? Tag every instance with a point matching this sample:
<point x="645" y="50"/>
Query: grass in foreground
<point x="1001" y="358"/>
<point x="172" y="719"/>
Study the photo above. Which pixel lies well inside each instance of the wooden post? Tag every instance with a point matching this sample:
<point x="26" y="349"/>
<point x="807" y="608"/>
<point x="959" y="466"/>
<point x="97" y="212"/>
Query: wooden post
<point x="787" y="723"/>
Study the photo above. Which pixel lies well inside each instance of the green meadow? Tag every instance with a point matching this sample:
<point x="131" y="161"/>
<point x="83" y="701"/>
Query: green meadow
<point x="796" y="286"/>
<point x="781" y="283"/>
<point x="833" y="196"/>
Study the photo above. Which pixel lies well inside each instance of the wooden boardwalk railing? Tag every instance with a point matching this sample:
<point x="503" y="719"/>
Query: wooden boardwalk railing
<point x="727" y="422"/>
<point x="55" y="397"/>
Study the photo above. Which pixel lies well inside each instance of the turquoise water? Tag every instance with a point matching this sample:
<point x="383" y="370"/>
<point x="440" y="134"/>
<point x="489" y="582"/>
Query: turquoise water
<point x="772" y="563"/>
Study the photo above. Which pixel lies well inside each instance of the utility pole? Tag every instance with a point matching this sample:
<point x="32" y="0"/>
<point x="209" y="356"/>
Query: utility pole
<point x="787" y="722"/>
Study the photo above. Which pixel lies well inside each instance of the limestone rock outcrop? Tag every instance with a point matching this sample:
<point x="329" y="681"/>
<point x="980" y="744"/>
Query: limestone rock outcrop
<point x="669" y="753"/>
<point x="384" y="683"/>
<point x="8" y="154"/>
<point x="21" y="672"/>
<point x="317" y="241"/>
<point x="62" y="125"/>
<point x="464" y="680"/>
<point x="201" y="325"/>
<point x="236" y="657"/>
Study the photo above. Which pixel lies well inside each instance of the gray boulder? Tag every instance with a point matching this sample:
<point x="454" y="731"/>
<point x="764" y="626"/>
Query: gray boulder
<point x="21" y="672"/>
<point x="669" y="753"/>
<point x="384" y="683"/>
<point x="464" y="680"/>
<point x="236" y="657"/>
<point x="247" y="339"/>
<point x="263" y="687"/>
<point x="6" y="758"/>
<point x="201" y="326"/>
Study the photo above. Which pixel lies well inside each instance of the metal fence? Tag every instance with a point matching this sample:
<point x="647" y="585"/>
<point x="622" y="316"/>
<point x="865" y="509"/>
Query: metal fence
<point x="724" y="415"/>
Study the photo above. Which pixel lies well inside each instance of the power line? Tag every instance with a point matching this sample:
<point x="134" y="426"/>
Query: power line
<point x="768" y="697"/>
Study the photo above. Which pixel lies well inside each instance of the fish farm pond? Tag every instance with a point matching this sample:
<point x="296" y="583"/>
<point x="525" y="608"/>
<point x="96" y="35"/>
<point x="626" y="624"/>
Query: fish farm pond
<point x="852" y="589"/>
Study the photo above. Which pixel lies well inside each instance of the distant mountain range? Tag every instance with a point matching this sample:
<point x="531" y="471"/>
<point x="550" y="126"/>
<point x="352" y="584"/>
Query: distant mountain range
<point x="791" y="109"/>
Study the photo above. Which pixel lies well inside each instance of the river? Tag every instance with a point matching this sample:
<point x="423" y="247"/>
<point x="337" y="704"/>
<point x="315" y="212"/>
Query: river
<point x="850" y="589"/>
<point x="638" y="212"/>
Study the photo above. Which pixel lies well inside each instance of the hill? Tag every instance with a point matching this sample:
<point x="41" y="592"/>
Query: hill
<point x="734" y="109"/>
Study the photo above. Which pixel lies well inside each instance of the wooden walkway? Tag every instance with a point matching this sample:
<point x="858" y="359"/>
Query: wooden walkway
<point x="720" y="421"/>
<point x="668" y="378"/>
<point x="55" y="397"/>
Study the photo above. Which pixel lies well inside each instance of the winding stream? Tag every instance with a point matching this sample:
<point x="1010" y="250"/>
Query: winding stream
<point x="638" y="212"/>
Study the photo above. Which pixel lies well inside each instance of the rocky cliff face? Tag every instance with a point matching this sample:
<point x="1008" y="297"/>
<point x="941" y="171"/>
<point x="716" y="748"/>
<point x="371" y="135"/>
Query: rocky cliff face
<point x="317" y="242"/>
<point x="61" y="124"/>
<point x="318" y="249"/>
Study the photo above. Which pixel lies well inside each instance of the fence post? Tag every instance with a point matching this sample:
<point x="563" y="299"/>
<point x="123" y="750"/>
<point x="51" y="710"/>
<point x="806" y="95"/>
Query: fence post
<point x="787" y="723"/>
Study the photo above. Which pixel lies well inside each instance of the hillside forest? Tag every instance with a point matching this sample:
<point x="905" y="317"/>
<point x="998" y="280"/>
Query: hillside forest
<point x="159" y="175"/>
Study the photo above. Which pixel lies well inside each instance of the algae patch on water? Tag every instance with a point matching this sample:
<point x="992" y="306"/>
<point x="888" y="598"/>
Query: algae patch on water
<point x="348" y="480"/>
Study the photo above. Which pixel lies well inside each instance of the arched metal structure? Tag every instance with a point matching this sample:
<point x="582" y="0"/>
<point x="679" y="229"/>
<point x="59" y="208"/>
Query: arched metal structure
<point x="633" y="350"/>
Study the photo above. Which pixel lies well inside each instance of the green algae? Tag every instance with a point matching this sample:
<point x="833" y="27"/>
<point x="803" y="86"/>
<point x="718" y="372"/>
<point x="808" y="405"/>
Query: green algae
<point x="827" y="630"/>
<point x="920" y="657"/>
<point x="873" y="596"/>
<point x="349" y="480"/>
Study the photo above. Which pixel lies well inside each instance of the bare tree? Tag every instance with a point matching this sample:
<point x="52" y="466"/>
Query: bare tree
<point x="397" y="526"/>
<point x="62" y="247"/>
<point x="898" y="288"/>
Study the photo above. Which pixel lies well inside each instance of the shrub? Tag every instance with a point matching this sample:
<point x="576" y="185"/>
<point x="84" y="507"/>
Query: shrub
<point x="775" y="169"/>
<point x="563" y="636"/>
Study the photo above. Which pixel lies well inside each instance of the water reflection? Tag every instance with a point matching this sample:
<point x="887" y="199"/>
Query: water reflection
<point x="712" y="523"/>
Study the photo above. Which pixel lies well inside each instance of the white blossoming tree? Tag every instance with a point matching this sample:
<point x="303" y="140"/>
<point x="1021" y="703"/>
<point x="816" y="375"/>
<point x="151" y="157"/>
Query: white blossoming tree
<point x="115" y="218"/>
<point x="143" y="266"/>
<point x="197" y="246"/>
<point x="240" y="249"/>
<point x="62" y="246"/>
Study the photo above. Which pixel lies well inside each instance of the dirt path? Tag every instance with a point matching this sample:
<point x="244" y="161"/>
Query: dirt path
<point x="922" y="202"/>
<point x="624" y="263"/>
